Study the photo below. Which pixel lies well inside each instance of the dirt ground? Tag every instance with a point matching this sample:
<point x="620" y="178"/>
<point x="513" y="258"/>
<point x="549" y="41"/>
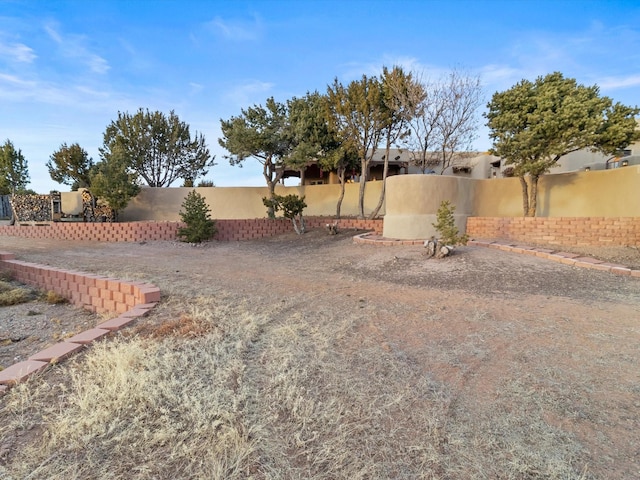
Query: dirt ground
<point x="491" y="326"/>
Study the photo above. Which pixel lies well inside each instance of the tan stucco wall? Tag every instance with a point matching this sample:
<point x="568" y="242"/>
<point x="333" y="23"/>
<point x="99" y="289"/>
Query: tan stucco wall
<point x="601" y="193"/>
<point x="164" y="204"/>
<point x="413" y="201"/>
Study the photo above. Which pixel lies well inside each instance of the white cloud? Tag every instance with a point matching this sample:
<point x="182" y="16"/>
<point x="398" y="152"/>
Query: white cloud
<point x="98" y="64"/>
<point x="17" y="52"/>
<point x="74" y="47"/>
<point x="613" y="83"/>
<point x="236" y="30"/>
<point x="249" y="93"/>
<point x="195" y="88"/>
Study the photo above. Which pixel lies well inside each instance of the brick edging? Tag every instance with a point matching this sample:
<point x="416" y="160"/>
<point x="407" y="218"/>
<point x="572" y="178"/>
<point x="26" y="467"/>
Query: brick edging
<point x="98" y="294"/>
<point x="566" y="258"/>
<point x="375" y="239"/>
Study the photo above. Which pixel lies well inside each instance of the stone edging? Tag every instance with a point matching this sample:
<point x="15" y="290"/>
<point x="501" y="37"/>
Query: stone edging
<point x="129" y="300"/>
<point x="573" y="259"/>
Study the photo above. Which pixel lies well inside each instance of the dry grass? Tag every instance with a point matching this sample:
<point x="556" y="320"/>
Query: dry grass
<point x="248" y="375"/>
<point x="54" y="298"/>
<point x="224" y="394"/>
<point x="12" y="295"/>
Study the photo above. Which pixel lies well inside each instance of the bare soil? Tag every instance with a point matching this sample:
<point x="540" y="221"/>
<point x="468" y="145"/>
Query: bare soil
<point x="530" y="354"/>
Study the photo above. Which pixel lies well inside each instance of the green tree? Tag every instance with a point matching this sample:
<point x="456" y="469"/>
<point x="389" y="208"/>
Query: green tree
<point x="343" y="159"/>
<point x="396" y="86"/>
<point x="359" y="117"/>
<point x="314" y="139"/>
<point x="71" y="165"/>
<point x="262" y="133"/>
<point x="534" y="124"/>
<point x="446" y="225"/>
<point x="14" y="171"/>
<point x="113" y="180"/>
<point x="195" y="213"/>
<point x="310" y="135"/>
<point x="160" y="148"/>
<point x="292" y="206"/>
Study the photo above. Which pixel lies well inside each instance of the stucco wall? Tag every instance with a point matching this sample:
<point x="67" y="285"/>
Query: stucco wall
<point x="601" y="193"/>
<point x="163" y="204"/>
<point x="413" y="200"/>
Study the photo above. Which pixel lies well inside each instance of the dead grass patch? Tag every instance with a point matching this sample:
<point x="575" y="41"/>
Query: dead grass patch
<point x="54" y="298"/>
<point x="11" y="294"/>
<point x="187" y="326"/>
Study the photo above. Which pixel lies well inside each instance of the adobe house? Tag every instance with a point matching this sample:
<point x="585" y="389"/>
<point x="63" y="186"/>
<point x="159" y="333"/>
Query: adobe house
<point x="401" y="162"/>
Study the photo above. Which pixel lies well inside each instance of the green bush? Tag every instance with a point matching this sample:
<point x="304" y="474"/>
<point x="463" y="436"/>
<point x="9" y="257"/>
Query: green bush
<point x="291" y="206"/>
<point x="195" y="213"/>
<point x="446" y="226"/>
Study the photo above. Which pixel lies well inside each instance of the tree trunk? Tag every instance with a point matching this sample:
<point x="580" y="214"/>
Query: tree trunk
<point x="299" y="225"/>
<point x="525" y="195"/>
<point x="363" y="179"/>
<point x="272" y="192"/>
<point x="385" y="171"/>
<point x="341" y="175"/>
<point x="533" y="196"/>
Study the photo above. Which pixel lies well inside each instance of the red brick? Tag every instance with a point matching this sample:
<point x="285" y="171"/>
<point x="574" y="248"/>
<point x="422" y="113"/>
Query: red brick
<point x="588" y="260"/>
<point x="108" y="305"/>
<point x="88" y="336"/>
<point x="57" y="352"/>
<point x="149" y="294"/>
<point x="20" y="371"/>
<point x="135" y="312"/>
<point x="117" y="323"/>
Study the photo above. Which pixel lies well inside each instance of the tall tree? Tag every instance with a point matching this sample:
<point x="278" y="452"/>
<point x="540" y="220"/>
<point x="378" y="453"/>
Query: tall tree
<point x="396" y="87"/>
<point x="358" y="113"/>
<point x="71" y="165"/>
<point x="314" y="139"/>
<point x="310" y="134"/>
<point x="160" y="148"/>
<point x="343" y="159"/>
<point x="534" y="124"/>
<point x="423" y="100"/>
<point x="444" y="122"/>
<point x="113" y="180"/>
<point x="14" y="171"/>
<point x="261" y="133"/>
<point x="459" y="97"/>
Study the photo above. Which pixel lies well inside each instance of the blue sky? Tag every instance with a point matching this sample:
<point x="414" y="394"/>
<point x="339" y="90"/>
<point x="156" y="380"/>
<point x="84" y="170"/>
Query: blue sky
<point x="68" y="67"/>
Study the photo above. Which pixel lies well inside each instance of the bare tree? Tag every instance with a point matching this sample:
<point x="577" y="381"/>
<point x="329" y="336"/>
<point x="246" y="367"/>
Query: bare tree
<point x="461" y="95"/>
<point x="444" y="121"/>
<point x="423" y="99"/>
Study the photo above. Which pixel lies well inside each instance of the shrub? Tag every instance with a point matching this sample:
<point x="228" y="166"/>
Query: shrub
<point x="446" y="226"/>
<point x="195" y="213"/>
<point x="291" y="206"/>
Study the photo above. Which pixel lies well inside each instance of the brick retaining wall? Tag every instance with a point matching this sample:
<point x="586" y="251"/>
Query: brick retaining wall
<point x="593" y="231"/>
<point x="228" y="230"/>
<point x="95" y="293"/>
